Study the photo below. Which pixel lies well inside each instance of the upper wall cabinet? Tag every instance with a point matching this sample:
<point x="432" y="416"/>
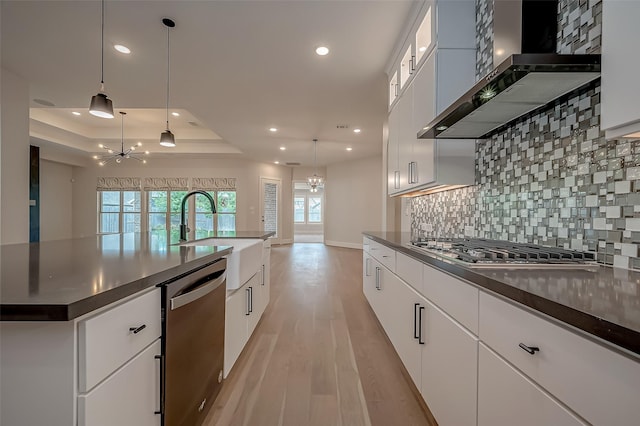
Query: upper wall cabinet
<point x="620" y="114"/>
<point x="441" y="74"/>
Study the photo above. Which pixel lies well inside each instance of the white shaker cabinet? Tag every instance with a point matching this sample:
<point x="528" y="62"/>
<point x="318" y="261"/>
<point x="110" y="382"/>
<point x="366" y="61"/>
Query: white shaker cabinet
<point x="128" y="397"/>
<point x="506" y="397"/>
<point x="92" y="370"/>
<point x="620" y="113"/>
<point x="449" y="368"/>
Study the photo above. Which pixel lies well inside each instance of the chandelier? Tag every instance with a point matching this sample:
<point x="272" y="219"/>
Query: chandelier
<point x="118" y="156"/>
<point x="315" y="181"/>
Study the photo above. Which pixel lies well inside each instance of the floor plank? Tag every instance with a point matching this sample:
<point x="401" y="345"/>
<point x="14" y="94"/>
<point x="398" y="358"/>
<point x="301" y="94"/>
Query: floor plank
<point x="319" y="355"/>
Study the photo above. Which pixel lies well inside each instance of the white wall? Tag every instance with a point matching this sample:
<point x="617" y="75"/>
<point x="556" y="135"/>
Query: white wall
<point x="247" y="173"/>
<point x="56" y="191"/>
<point x="354" y="202"/>
<point x="14" y="158"/>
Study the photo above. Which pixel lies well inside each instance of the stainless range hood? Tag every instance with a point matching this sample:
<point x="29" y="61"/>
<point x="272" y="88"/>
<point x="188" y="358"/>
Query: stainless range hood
<point x="518" y="86"/>
<point x="531" y="76"/>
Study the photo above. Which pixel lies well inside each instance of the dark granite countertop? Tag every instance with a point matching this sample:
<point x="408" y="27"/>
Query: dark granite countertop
<point x="263" y="235"/>
<point x="62" y="280"/>
<point x="605" y="304"/>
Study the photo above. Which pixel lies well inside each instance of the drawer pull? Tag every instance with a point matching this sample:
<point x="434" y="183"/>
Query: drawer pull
<point x="531" y="349"/>
<point x="137" y="330"/>
<point x="415" y="317"/>
<point x="385" y="256"/>
<point x="420" y="325"/>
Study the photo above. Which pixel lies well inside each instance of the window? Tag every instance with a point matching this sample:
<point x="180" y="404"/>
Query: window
<point x="226" y="214"/>
<point x="164" y="211"/>
<point x="315" y="210"/>
<point x="119" y="211"/>
<point x="298" y="209"/>
<point x="307" y="209"/>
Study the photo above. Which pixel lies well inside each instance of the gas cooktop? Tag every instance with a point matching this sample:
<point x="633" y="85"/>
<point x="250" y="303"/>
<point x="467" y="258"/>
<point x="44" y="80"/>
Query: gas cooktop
<point x="483" y="253"/>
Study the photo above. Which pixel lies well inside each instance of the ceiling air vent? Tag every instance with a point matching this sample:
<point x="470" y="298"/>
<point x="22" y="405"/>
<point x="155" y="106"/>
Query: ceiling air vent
<point x="342" y="126"/>
<point x="193" y="123"/>
<point x="292" y="164"/>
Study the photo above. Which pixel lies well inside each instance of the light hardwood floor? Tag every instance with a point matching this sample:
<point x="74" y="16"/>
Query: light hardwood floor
<point x="318" y="356"/>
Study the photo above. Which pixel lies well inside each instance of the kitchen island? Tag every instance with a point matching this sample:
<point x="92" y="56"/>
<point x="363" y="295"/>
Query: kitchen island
<point x="81" y="326"/>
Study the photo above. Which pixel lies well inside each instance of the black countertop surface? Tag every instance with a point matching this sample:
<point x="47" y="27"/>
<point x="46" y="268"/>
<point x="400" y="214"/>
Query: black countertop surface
<point x="62" y="280"/>
<point x="605" y="304"/>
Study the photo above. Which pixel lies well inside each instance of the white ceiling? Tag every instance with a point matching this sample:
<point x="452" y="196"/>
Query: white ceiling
<point x="237" y="68"/>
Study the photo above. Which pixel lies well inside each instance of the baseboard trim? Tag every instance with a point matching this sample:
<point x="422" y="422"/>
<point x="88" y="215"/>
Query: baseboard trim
<point x="285" y="241"/>
<point x="345" y="245"/>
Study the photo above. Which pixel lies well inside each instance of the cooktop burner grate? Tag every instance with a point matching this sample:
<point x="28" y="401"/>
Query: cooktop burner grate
<point x="496" y="253"/>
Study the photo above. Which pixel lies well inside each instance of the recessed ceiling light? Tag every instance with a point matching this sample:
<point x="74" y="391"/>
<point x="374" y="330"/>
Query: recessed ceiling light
<point x="273" y="129"/>
<point x="276" y="162"/>
<point x="175" y="114"/>
<point x="422" y="48"/>
<point x="322" y="50"/>
<point x="100" y="145"/>
<point x="122" y="49"/>
<point x="282" y="148"/>
<point x="75" y="113"/>
<point x="425" y="128"/>
<point x="349" y="149"/>
<point x="146" y="152"/>
<point x="95" y="157"/>
<point x="356" y="130"/>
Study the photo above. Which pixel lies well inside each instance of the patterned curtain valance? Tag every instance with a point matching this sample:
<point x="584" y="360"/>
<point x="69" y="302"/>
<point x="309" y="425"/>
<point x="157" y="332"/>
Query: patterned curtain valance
<point x="166" y="184"/>
<point x="118" y="183"/>
<point x="213" y="184"/>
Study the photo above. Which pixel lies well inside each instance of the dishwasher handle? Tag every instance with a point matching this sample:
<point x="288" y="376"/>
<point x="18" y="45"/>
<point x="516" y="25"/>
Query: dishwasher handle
<point x="197" y="292"/>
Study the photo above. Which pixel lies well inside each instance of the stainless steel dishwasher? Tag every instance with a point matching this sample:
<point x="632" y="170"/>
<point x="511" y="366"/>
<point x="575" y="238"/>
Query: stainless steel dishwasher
<point x="193" y="344"/>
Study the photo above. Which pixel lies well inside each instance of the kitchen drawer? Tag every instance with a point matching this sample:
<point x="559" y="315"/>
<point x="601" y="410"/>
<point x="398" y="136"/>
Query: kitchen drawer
<point x="506" y="397"/>
<point x="599" y="384"/>
<point x="457" y="298"/>
<point x="129" y="397"/>
<point x="106" y="341"/>
<point x="410" y="270"/>
<point x="383" y="254"/>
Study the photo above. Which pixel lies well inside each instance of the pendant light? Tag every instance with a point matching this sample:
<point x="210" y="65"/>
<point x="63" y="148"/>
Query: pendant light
<point x="119" y="156"/>
<point x="315" y="181"/>
<point x="101" y="105"/>
<point x="167" y="138"/>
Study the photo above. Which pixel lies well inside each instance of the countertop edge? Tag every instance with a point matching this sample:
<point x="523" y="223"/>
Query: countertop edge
<point x="614" y="334"/>
<point x="68" y="312"/>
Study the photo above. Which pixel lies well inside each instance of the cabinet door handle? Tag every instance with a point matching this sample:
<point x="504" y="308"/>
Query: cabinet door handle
<point x="377" y="278"/>
<point x="161" y="393"/>
<point x="263" y="272"/>
<point x="420" y="325"/>
<point x="396" y="89"/>
<point x="136" y="330"/>
<point x="396" y="179"/>
<point x="415" y="317"/>
<point x="530" y="349"/>
<point x="411" y="68"/>
<point x="413" y="175"/>
<point x="366" y="266"/>
<point x="412" y="61"/>
<point x="248" y="298"/>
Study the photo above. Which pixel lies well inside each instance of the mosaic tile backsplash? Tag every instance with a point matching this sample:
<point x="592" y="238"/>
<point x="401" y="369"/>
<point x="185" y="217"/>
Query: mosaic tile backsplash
<point x="484" y="38"/>
<point x="551" y="179"/>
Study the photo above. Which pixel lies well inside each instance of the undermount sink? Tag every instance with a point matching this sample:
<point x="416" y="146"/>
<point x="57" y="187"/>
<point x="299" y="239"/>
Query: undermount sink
<point x="243" y="262"/>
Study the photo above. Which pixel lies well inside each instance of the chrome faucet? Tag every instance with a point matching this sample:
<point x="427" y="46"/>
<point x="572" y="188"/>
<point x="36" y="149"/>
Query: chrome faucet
<point x="183" y="221"/>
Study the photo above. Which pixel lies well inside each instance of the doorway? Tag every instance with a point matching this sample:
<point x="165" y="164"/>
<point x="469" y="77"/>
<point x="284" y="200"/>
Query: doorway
<point x="308" y="214"/>
<point x="270" y="197"/>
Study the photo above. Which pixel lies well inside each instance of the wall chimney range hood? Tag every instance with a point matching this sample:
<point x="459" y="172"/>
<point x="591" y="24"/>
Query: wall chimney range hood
<point x="531" y="76"/>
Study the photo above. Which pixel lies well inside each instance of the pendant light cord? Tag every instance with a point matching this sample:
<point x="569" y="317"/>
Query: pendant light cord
<point x="102" y="51"/>
<point x="122" y="132"/>
<point x="168" y="74"/>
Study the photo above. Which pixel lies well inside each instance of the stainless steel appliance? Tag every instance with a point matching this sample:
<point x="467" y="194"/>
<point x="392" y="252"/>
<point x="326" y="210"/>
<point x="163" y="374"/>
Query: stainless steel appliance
<point x="193" y="344"/>
<point x="483" y="253"/>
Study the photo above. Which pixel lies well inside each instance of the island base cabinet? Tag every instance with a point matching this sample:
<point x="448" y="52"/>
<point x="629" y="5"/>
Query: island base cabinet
<point x="506" y="397"/>
<point x="242" y="313"/>
<point x="449" y="368"/>
<point x="128" y="397"/>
